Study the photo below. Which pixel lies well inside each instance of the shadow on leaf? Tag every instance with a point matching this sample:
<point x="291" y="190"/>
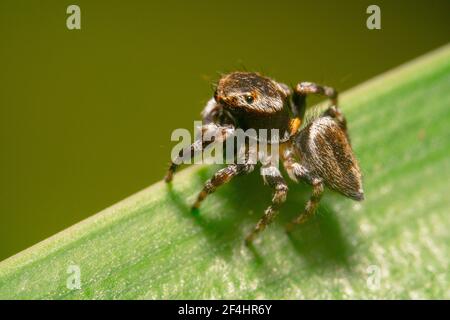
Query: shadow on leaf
<point x="320" y="242"/>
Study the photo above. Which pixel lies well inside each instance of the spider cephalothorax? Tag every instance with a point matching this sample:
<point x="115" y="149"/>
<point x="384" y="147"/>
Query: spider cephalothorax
<point x="254" y="102"/>
<point x="319" y="154"/>
<point x="250" y="92"/>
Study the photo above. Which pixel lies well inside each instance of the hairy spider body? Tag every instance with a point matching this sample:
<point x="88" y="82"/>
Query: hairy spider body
<point x="326" y="153"/>
<point x="319" y="154"/>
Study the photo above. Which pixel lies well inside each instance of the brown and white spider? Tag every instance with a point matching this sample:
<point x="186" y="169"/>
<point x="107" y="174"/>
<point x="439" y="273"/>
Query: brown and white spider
<point x="319" y="154"/>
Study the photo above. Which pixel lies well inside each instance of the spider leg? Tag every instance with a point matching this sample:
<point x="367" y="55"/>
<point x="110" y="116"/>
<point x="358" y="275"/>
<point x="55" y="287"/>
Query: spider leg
<point x="295" y="170"/>
<point x="210" y="112"/>
<point x="303" y="89"/>
<point x="275" y="180"/>
<point x="298" y="172"/>
<point x="210" y="133"/>
<point x="214" y="113"/>
<point x="334" y="112"/>
<point x="311" y="205"/>
<point x="221" y="177"/>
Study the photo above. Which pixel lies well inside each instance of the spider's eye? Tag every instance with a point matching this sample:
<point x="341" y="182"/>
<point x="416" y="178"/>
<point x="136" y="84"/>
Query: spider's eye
<point x="249" y="99"/>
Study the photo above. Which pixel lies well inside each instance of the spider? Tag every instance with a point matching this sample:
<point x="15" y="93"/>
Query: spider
<point x="319" y="154"/>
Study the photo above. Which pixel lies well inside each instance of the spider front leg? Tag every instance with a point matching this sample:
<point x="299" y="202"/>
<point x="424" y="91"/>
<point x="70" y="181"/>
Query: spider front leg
<point x="275" y="180"/>
<point x="210" y="112"/>
<point x="209" y="133"/>
<point x="221" y="177"/>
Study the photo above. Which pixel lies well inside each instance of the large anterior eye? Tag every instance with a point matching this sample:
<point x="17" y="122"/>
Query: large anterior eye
<point x="249" y="98"/>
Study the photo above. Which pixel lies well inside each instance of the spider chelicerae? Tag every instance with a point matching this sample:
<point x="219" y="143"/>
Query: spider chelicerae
<point x="319" y="153"/>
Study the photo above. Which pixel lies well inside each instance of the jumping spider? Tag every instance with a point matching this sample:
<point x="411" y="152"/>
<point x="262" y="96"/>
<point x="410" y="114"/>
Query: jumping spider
<point x="319" y="154"/>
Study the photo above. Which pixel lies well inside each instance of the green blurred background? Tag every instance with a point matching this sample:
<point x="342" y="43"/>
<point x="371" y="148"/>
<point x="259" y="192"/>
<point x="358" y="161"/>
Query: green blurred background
<point x="86" y="115"/>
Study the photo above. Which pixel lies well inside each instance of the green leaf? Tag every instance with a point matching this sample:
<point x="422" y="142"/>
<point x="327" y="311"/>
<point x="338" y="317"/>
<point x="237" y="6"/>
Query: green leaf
<point x="395" y="244"/>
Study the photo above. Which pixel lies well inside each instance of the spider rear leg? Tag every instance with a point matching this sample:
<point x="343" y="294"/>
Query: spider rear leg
<point x="298" y="172"/>
<point x="334" y="112"/>
<point x="303" y="89"/>
<point x="311" y="205"/>
<point x="295" y="170"/>
<point x="221" y="177"/>
<point x="275" y="180"/>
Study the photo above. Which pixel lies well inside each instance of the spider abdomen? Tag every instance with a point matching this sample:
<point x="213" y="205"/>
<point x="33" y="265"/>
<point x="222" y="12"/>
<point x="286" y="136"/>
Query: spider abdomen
<point x="326" y="152"/>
